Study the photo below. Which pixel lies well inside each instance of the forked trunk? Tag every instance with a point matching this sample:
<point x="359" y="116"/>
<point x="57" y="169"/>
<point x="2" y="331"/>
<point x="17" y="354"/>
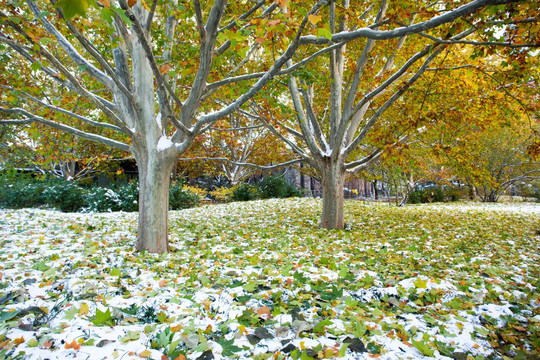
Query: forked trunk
<point x="333" y="179"/>
<point x="154" y="180"/>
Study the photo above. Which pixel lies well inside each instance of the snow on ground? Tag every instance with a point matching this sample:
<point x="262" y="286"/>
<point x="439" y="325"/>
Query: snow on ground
<point x="257" y="280"/>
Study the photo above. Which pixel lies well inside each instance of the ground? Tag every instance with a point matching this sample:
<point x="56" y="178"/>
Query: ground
<point x="259" y="279"/>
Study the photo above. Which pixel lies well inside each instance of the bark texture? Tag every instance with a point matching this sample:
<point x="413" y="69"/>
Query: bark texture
<point x="155" y="168"/>
<point x="333" y="179"/>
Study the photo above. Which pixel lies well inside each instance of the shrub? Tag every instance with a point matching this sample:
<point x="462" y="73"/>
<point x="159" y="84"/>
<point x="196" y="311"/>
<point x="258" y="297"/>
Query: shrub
<point x="100" y="199"/>
<point x="453" y="194"/>
<point x="244" y="192"/>
<point x="65" y="196"/>
<point x="196" y="190"/>
<point x="277" y="187"/>
<point x="18" y="190"/>
<point x="221" y="194"/>
<point x="129" y="196"/>
<point x="182" y="199"/>
<point x="428" y="195"/>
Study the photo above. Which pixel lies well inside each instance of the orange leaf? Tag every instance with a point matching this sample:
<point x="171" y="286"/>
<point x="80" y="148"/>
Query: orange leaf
<point x="165" y="68"/>
<point x="264" y="310"/>
<point x="47" y="344"/>
<point x="72" y="345"/>
<point x="131" y="3"/>
<point x="176" y="328"/>
<point x="162" y="283"/>
<point x="180" y="357"/>
<point x="19" y="341"/>
<point x="106" y="3"/>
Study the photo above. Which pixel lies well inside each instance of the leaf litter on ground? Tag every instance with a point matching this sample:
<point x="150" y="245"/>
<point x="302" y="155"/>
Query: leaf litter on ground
<point x="260" y="280"/>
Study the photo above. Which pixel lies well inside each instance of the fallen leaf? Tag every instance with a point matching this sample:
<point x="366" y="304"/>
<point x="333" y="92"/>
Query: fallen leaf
<point x="73" y="345"/>
<point x="84" y="309"/>
<point x="264" y="310"/>
<point x="145" y="354"/>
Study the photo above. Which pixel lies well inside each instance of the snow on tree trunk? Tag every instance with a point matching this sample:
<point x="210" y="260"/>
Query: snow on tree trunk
<point x="333" y="179"/>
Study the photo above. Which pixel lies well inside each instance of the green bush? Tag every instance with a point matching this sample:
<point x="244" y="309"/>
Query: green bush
<point x="182" y="199"/>
<point x="65" y="196"/>
<point x="129" y="196"/>
<point x="428" y="195"/>
<point x="453" y="194"/>
<point x="22" y="190"/>
<point x="276" y="187"/>
<point x="100" y="199"/>
<point x="244" y="192"/>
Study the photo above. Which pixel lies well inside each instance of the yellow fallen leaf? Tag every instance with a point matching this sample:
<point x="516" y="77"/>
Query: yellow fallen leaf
<point x="176" y="328"/>
<point x="84" y="309"/>
<point x="145" y="354"/>
<point x="19" y="341"/>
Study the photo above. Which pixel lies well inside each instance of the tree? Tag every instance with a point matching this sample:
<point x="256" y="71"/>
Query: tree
<point x="236" y="147"/>
<point x="342" y="107"/>
<point x="109" y="58"/>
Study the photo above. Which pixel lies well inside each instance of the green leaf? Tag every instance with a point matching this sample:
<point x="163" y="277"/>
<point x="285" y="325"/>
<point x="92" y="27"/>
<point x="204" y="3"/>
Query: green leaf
<point x="70" y="314"/>
<point x="298" y="276"/>
<point x="102" y="318"/>
<point x="72" y="8"/>
<point x="360" y="329"/>
<point x="420" y="283"/>
<point x="229" y="349"/>
<point x="343" y="350"/>
<point x="325" y="33"/>
<point x="131" y="336"/>
<point x="319" y="328"/>
<point x="286" y="269"/>
<point x="41" y="266"/>
<point x="423" y="346"/>
<point x="444" y="348"/>
<point x="8" y="315"/>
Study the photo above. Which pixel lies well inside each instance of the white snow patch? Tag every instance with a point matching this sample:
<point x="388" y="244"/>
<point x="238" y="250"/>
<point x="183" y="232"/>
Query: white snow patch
<point x="164" y="143"/>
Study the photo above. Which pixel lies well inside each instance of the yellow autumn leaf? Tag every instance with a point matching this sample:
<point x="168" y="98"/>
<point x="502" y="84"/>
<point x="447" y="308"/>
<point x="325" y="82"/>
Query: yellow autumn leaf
<point x="176" y="328"/>
<point x="84" y="309"/>
<point x="314" y="19"/>
<point x="145" y="354"/>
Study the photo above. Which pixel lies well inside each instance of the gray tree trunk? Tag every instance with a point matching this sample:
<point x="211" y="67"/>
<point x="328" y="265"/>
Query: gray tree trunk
<point x="333" y="179"/>
<point x="155" y="169"/>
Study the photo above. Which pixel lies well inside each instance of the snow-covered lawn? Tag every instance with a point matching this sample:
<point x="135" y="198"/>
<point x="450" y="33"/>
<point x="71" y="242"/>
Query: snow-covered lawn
<point x="259" y="280"/>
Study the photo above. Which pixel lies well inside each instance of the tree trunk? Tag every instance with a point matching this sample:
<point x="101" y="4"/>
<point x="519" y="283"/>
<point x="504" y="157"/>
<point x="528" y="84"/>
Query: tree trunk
<point x="333" y="179"/>
<point x="155" y="169"/>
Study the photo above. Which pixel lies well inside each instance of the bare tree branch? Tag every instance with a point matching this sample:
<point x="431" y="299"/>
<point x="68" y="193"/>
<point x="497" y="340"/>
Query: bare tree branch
<point x="199" y="18"/>
<point x="403" y="31"/>
<point x="151" y="16"/>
